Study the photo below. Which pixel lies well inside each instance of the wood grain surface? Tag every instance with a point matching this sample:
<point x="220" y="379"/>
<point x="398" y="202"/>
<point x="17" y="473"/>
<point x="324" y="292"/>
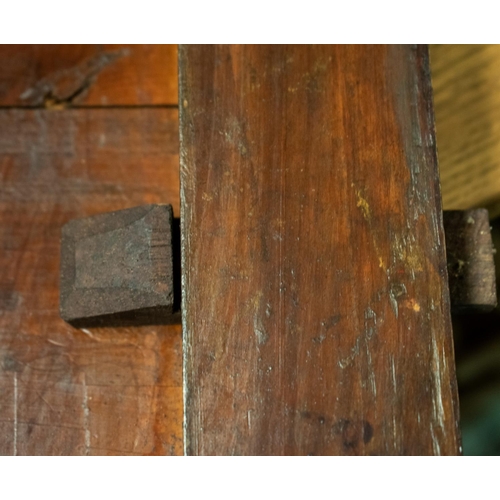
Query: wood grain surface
<point x="88" y="75"/>
<point x="316" y="312"/>
<point x="65" y="391"/>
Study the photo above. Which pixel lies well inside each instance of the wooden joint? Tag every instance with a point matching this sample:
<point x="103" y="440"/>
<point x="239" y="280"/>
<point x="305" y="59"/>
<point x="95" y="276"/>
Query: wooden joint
<point x="469" y="255"/>
<point x="121" y="268"/>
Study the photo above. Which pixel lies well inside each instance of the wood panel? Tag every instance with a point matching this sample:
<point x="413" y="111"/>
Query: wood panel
<point x="466" y="81"/>
<point x="316" y="311"/>
<point x="66" y="391"/>
<point x="88" y="75"/>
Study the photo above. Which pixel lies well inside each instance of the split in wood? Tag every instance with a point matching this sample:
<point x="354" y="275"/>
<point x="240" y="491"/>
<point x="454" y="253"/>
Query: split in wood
<point x="123" y="268"/>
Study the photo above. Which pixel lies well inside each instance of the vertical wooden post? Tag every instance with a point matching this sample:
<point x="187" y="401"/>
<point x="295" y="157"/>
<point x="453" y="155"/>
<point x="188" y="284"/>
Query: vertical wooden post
<point x="315" y="299"/>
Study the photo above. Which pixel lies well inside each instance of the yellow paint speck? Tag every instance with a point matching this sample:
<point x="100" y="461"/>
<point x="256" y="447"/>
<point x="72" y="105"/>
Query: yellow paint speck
<point x="413" y="304"/>
<point x="363" y="204"/>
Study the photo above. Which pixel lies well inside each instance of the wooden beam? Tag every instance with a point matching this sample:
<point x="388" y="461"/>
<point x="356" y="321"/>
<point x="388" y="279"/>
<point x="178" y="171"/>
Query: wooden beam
<point x="316" y="315"/>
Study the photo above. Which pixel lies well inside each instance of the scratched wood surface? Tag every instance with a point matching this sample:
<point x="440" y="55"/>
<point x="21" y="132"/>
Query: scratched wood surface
<point x="88" y="75"/>
<point x="66" y="391"/>
<point x="316" y="311"/>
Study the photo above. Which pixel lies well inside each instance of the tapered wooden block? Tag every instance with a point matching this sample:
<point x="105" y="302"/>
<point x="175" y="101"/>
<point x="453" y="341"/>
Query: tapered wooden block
<point x="471" y="266"/>
<point x="117" y="268"/>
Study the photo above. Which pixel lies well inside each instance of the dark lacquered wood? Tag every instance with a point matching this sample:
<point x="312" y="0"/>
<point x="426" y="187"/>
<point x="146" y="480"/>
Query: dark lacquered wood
<point x="316" y="309"/>
<point x="65" y="391"/>
<point x="117" y="268"/>
<point x="471" y="267"/>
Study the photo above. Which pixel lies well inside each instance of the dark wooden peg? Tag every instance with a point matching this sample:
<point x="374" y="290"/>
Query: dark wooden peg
<point x="117" y="268"/>
<point x="471" y="267"/>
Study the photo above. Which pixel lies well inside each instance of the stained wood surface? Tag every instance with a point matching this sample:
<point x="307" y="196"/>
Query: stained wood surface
<point x="65" y="391"/>
<point x="88" y="75"/>
<point x="316" y="311"/>
<point x="466" y="82"/>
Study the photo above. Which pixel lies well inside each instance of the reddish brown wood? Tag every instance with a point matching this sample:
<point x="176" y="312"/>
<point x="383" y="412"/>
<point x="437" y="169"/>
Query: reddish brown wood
<point x="316" y="309"/>
<point x="65" y="391"/>
<point x="88" y="75"/>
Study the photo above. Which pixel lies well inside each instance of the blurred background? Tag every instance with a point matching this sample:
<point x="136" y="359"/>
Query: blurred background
<point x="466" y="83"/>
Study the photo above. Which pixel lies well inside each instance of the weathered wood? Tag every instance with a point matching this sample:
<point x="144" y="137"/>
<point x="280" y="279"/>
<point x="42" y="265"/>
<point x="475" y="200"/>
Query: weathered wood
<point x="88" y="75"/>
<point x="96" y="391"/>
<point x="316" y="315"/>
<point x="117" y="269"/>
<point x="469" y="254"/>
